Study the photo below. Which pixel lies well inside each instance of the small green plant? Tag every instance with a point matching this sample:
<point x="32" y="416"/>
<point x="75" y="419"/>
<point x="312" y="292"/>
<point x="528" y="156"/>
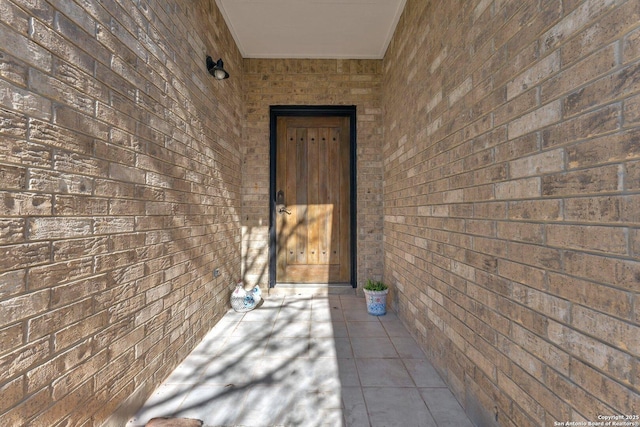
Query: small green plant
<point x="373" y="285"/>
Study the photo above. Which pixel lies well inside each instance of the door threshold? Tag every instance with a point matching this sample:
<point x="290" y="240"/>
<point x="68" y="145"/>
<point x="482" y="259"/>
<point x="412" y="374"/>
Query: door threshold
<point x="312" y="289"/>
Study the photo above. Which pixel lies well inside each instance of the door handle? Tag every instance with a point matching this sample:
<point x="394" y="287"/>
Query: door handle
<point x="280" y="203"/>
<point x="284" y="210"/>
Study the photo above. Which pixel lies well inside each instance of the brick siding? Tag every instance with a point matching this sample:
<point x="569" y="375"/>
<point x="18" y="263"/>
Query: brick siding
<point x="511" y="202"/>
<point x="312" y="82"/>
<point x="498" y="194"/>
<point x="119" y="194"/>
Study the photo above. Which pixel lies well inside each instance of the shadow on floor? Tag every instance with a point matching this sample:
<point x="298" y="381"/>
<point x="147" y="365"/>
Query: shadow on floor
<point x="306" y="361"/>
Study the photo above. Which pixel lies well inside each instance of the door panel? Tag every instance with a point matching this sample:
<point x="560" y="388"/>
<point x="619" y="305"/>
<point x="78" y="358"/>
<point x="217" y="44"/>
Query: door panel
<point x="312" y="169"/>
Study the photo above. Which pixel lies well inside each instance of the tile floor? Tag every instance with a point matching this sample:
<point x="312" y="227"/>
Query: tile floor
<point x="307" y="361"/>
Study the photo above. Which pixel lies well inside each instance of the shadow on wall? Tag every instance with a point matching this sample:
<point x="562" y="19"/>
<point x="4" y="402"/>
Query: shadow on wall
<point x="143" y="203"/>
<point x="237" y="366"/>
<point x="191" y="227"/>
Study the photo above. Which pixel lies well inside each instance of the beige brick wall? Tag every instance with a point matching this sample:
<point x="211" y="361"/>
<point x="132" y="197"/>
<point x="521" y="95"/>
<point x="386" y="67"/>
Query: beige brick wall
<point x="312" y="82"/>
<point x="511" y="197"/>
<point x="119" y="193"/>
<point x="512" y="201"/>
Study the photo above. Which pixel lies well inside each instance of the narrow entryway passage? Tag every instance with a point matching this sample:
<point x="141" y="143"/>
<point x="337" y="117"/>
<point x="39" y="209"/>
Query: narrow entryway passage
<point x="307" y="361"/>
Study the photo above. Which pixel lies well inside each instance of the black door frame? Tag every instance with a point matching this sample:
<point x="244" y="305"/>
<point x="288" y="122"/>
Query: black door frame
<point x="276" y="111"/>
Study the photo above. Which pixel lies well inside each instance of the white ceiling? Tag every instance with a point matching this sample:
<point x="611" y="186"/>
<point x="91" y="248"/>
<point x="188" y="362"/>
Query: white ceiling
<point x="355" y="29"/>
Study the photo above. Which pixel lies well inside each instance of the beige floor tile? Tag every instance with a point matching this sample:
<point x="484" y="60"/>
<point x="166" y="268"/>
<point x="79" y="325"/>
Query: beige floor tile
<point x="307" y="361"/>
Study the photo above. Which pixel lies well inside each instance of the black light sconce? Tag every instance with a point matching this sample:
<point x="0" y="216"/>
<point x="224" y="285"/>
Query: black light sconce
<point x="216" y="69"/>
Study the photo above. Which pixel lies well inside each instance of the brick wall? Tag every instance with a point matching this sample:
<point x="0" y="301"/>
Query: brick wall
<point x="512" y="202"/>
<point x="119" y="194"/>
<point x="312" y="82"/>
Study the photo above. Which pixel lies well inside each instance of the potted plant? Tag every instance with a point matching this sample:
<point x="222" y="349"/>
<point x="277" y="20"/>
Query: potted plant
<point x="375" y="293"/>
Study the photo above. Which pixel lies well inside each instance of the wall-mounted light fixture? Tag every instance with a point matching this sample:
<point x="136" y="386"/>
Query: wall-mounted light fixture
<point x="216" y="69"/>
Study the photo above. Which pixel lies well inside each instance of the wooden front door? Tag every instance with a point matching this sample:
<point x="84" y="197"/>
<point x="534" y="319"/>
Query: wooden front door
<point x="313" y="199"/>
